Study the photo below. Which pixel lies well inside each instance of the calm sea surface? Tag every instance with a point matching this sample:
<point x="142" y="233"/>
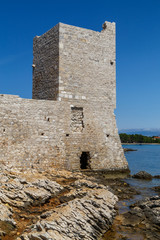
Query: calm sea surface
<point x="146" y="158"/>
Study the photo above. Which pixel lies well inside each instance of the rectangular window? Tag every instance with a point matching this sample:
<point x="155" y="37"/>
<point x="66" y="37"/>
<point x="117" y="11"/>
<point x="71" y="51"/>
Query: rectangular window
<point x="77" y="124"/>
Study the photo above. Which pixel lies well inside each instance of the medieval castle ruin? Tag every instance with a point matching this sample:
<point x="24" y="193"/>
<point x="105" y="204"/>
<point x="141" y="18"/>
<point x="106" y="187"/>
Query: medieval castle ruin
<point x="70" y="122"/>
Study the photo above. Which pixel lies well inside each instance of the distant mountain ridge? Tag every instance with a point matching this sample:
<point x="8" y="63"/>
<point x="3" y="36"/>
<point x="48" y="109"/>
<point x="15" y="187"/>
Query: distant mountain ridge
<point x="143" y="131"/>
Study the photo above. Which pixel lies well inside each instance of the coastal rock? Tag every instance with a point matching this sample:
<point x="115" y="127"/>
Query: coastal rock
<point x="142" y="175"/>
<point x="151" y="209"/>
<point x="148" y="213"/>
<point x="80" y="189"/>
<point x="85" y="183"/>
<point x="142" y="221"/>
<point x="157" y="176"/>
<point x="21" y="193"/>
<point x="38" y="195"/>
<point x="157" y="189"/>
<point x="129" y="149"/>
<point x="53" y="187"/>
<point x="74" y="209"/>
<point x="7" y="222"/>
<point x="85" y="218"/>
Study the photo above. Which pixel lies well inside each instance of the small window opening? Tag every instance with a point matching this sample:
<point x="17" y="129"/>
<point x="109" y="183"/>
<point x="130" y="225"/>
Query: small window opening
<point x="107" y="135"/>
<point x="67" y="134"/>
<point x="42" y="134"/>
<point x="48" y="119"/>
<point x="85" y="160"/>
<point x="4" y="130"/>
<point x="111" y="62"/>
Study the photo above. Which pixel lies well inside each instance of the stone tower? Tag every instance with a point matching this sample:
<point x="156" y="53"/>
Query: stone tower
<point x="72" y="63"/>
<point x="75" y="68"/>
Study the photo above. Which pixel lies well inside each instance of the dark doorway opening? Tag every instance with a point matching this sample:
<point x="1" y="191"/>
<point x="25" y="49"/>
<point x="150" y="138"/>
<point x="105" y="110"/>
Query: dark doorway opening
<point x="85" y="160"/>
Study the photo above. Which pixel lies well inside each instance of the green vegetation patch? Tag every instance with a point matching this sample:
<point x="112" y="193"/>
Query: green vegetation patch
<point x="137" y="138"/>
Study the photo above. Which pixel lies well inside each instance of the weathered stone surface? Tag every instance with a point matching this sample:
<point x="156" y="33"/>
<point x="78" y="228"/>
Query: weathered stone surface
<point x="85" y="183"/>
<point x="151" y="209"/>
<point x="140" y="221"/>
<point x="6" y="214"/>
<point x="7" y="222"/>
<point x="143" y="175"/>
<point x="30" y="205"/>
<point x="51" y="186"/>
<point x="145" y="216"/>
<point x="22" y="193"/>
<point x="80" y="189"/>
<point x="85" y="218"/>
<point x="37" y="194"/>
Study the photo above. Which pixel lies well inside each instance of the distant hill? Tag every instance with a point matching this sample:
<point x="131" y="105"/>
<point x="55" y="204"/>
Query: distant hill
<point x="143" y="131"/>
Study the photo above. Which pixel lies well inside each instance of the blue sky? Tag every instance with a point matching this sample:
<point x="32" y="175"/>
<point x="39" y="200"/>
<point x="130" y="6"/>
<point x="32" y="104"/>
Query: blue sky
<point x="138" y="48"/>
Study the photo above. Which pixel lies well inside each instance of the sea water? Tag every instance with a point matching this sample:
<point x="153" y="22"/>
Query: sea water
<point x="145" y="158"/>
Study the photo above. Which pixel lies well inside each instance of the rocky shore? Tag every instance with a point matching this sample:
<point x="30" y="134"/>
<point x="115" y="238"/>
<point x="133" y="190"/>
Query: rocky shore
<point x="65" y="205"/>
<point x="53" y="205"/>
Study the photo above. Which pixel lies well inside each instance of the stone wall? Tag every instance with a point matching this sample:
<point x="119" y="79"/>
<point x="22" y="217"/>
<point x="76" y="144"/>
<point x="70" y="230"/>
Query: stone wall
<point x="87" y="65"/>
<point x="40" y="134"/>
<point x="70" y="123"/>
<point x="46" y="57"/>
